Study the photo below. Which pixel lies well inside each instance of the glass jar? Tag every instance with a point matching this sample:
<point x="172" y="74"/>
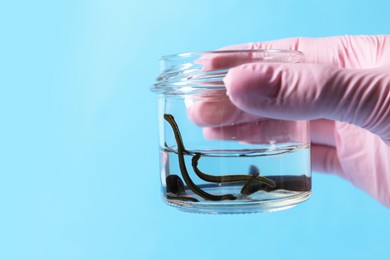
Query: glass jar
<point x="215" y="158"/>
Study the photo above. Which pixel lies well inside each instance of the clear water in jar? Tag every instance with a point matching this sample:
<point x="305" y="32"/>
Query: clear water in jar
<point x="269" y="179"/>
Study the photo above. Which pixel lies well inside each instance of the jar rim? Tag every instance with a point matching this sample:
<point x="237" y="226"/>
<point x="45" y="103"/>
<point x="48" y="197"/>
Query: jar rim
<point x="231" y="51"/>
<point x="186" y="73"/>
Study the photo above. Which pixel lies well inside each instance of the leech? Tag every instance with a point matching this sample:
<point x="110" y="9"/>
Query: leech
<point x="253" y="170"/>
<point x="175" y="184"/>
<point x="245" y="188"/>
<point x="291" y="183"/>
<point x="229" y="178"/>
<point x="187" y="179"/>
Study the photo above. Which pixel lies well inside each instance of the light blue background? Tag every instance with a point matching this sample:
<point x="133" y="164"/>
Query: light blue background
<point x="78" y="134"/>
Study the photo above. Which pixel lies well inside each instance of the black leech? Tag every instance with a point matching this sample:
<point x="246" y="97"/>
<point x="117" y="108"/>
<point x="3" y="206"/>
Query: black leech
<point x="187" y="179"/>
<point x="229" y="178"/>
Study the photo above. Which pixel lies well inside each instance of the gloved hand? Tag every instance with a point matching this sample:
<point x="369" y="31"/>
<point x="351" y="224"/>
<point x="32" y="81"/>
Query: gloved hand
<point x="343" y="87"/>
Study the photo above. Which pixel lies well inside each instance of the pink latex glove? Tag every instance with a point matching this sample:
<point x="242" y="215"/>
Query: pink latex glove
<point x="343" y="87"/>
